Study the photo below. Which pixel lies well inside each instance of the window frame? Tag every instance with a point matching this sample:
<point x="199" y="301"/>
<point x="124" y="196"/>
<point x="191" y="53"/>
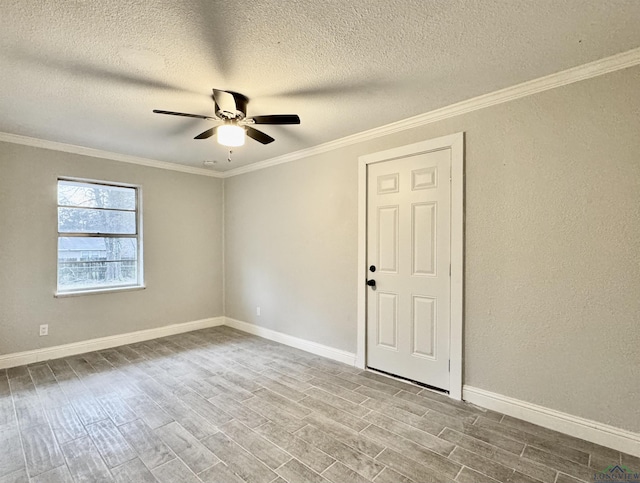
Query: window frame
<point x="139" y="284"/>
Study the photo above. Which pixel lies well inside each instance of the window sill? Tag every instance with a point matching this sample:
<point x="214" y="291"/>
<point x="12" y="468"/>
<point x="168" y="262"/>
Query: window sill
<point x="95" y="291"/>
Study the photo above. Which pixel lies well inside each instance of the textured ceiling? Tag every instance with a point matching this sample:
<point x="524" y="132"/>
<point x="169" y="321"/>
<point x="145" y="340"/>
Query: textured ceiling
<point x="89" y="72"/>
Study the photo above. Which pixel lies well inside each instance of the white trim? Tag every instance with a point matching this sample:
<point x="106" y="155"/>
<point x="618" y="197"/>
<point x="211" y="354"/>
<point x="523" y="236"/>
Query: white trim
<point x="455" y="142"/>
<point x="302" y="344"/>
<point x="558" y="79"/>
<point x="96" y="291"/>
<point x="456" y="334"/>
<point x="593" y="431"/>
<point x="98" y="153"/>
<point x="224" y="248"/>
<point x="361" y="307"/>
<point x="55" y="352"/>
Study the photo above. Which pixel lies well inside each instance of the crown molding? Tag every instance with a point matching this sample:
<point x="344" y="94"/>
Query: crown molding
<point x="98" y="153"/>
<point x="586" y="71"/>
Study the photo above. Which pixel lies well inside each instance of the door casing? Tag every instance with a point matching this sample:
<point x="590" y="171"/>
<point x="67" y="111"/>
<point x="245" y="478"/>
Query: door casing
<point x="455" y="142"/>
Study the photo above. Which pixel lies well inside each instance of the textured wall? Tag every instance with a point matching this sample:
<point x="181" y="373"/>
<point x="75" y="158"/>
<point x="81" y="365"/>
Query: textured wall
<point x="290" y="251"/>
<point x="552" y="247"/>
<point x="182" y="219"/>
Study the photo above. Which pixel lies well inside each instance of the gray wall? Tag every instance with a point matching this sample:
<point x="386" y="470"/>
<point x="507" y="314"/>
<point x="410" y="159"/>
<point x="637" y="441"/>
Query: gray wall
<point x="552" y="247"/>
<point x="182" y="215"/>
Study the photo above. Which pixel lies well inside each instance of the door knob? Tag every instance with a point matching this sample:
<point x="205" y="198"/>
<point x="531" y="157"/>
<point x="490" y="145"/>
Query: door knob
<point x="371" y="283"/>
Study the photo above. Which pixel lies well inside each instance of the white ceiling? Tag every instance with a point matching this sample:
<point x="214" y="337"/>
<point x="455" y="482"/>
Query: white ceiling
<point x="89" y="72"/>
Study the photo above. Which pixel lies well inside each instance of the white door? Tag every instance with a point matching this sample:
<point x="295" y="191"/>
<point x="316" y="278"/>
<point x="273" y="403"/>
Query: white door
<point x="408" y="246"/>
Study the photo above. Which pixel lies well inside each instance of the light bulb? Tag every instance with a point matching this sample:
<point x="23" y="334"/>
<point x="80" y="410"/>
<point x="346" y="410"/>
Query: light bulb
<point x="230" y="135"/>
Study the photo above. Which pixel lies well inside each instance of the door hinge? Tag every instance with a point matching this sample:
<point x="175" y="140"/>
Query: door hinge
<point x="449" y="365"/>
<point x="449" y="269"/>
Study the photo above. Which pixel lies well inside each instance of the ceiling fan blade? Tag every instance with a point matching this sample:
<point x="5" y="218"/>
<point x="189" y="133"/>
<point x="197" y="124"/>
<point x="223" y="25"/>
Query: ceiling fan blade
<point x="207" y="134"/>
<point x="184" y="114"/>
<point x="258" y="135"/>
<point x="225" y="101"/>
<point x="277" y="119"/>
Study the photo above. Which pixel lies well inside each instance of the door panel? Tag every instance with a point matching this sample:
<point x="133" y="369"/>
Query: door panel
<point x="387" y="320"/>
<point x="408" y="241"/>
<point x="388" y="239"/>
<point x="388" y="183"/>
<point x="423" y="231"/>
<point x="424" y="326"/>
<point x="422" y="179"/>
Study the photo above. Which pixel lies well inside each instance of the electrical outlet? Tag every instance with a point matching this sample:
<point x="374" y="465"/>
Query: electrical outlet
<point x="44" y="329"/>
<point x="258" y="311"/>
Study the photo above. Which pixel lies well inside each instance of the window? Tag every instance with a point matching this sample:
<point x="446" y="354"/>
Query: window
<point x="99" y="240"/>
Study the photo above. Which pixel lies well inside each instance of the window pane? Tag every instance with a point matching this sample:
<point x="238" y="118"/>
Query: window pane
<point x="91" y="195"/>
<point x="96" y="262"/>
<point x="87" y="220"/>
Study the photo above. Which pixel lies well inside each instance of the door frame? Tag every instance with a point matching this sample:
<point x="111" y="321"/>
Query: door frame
<point x="455" y="142"/>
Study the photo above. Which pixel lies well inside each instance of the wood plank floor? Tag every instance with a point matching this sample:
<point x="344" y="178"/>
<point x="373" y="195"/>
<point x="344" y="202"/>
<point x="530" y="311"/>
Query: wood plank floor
<point x="218" y="405"/>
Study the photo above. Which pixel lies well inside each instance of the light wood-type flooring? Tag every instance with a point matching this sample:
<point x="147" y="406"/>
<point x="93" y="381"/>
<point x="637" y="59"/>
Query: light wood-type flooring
<point x="218" y="405"/>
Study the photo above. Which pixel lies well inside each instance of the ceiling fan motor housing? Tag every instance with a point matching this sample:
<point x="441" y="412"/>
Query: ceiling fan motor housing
<point x="240" y="111"/>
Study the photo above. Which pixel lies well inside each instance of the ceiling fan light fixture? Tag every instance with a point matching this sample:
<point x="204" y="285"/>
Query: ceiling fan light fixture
<point x="230" y="135"/>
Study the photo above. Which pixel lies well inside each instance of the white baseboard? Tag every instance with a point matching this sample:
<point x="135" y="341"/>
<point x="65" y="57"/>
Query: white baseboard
<point x="302" y="344"/>
<point x="602" y="434"/>
<point x="55" y="352"/>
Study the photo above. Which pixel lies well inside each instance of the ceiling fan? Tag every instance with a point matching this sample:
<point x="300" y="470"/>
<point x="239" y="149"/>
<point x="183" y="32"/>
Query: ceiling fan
<point x="231" y="112"/>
